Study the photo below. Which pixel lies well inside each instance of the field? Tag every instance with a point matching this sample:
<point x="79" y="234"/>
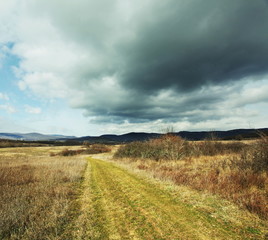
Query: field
<point x="37" y="192"/>
<point x="54" y="193"/>
<point x="235" y="170"/>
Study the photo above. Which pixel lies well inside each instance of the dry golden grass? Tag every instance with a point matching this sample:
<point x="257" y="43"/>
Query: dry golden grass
<point x="120" y="204"/>
<point x="37" y="192"/>
<point x="216" y="175"/>
<point x="233" y="171"/>
<point x="59" y="197"/>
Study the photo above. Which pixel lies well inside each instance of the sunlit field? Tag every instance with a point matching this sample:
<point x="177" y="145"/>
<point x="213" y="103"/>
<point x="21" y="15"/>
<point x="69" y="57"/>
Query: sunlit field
<point x="165" y="188"/>
<point x="37" y="192"/>
<point x="234" y="170"/>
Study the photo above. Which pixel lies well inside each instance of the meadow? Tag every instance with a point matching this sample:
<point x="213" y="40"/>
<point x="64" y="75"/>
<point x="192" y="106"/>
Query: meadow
<point x="164" y="188"/>
<point x="37" y="192"/>
<point x="234" y="170"/>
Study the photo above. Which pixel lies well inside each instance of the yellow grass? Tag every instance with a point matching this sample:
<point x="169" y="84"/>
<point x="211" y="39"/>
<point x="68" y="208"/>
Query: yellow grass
<point x="233" y="170"/>
<point x="124" y="204"/>
<point x="214" y="174"/>
<point x="44" y="197"/>
<point x="37" y="192"/>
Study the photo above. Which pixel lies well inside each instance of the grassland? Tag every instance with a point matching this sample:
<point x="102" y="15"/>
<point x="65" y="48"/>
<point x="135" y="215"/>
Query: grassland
<point x="234" y="170"/>
<point x="37" y="192"/>
<point x="119" y="204"/>
<point x="45" y="195"/>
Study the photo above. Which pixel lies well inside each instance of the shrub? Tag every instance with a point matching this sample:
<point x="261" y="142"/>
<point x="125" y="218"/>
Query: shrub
<point x="167" y="147"/>
<point x="133" y="150"/>
<point x="67" y="152"/>
<point x="97" y="148"/>
<point x="255" y="157"/>
<point x="171" y="147"/>
<point x="91" y="149"/>
<point x="212" y="148"/>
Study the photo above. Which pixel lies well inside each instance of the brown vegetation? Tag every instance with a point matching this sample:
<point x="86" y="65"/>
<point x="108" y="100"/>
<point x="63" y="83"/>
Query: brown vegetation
<point x="90" y="149"/>
<point x="37" y="193"/>
<point x="170" y="147"/>
<point x="62" y="197"/>
<point x="17" y="143"/>
<point x="233" y="170"/>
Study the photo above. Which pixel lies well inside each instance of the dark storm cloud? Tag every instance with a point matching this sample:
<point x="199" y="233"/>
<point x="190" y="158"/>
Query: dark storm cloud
<point x="188" y="45"/>
<point x="168" y="105"/>
<point x="140" y="61"/>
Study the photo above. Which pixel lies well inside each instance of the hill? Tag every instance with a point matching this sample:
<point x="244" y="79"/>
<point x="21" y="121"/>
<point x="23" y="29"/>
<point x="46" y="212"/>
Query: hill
<point x="235" y="134"/>
<point x="32" y="136"/>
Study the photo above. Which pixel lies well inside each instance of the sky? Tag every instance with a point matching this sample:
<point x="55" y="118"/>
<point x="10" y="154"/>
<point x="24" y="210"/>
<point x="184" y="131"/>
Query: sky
<point x="92" y="67"/>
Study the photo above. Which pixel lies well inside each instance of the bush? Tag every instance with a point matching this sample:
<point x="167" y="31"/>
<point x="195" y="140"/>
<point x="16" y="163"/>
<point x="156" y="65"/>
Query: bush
<point x="97" y="148"/>
<point x="67" y="152"/>
<point x="91" y="149"/>
<point x="134" y="150"/>
<point x="212" y="148"/>
<point x="171" y="147"/>
<point x="167" y="147"/>
<point x="255" y="157"/>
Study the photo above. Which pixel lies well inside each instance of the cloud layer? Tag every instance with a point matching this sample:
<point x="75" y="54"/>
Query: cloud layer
<point x="143" y="61"/>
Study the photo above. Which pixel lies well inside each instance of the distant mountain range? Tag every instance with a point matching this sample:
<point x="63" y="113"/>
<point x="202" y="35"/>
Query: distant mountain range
<point x="194" y="136"/>
<point x="139" y="136"/>
<point x="32" y="136"/>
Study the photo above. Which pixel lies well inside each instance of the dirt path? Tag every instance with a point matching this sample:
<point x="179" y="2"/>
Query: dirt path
<point x="117" y="204"/>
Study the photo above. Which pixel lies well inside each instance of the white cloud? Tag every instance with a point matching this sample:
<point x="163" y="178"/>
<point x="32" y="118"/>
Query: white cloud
<point x="8" y="108"/>
<point x="4" y="50"/>
<point x="252" y="92"/>
<point x="44" y="84"/>
<point x="78" y="51"/>
<point x="32" y="110"/>
<point x="4" y="96"/>
<point x="8" y="12"/>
